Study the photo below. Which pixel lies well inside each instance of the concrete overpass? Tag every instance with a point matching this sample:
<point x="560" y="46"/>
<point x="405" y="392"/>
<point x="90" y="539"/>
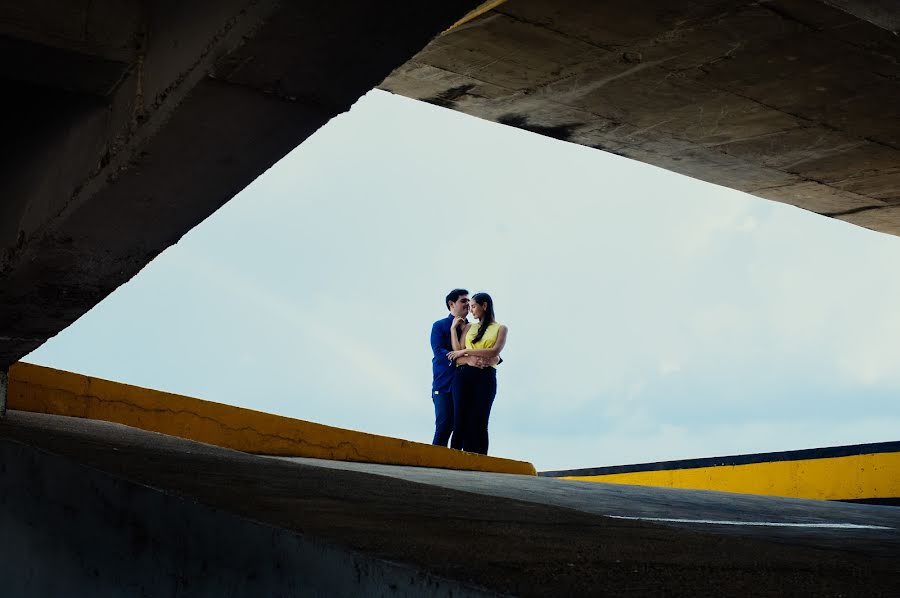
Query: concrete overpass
<point x="127" y="123"/>
<point x="791" y="100"/>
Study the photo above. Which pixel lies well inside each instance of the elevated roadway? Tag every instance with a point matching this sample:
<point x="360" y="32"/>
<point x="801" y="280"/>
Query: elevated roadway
<point x="103" y="509"/>
<point x="873" y="530"/>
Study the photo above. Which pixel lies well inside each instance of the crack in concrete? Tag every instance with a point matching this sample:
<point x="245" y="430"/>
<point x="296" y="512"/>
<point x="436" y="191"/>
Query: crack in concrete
<point x="830" y="186"/>
<point x="854" y="20"/>
<point x="856" y="210"/>
<point x="277" y="94"/>
<point x="823" y="153"/>
<point x="800" y="117"/>
<point x="752" y="137"/>
<point x="787" y="16"/>
<point x="175" y="412"/>
<point x="607" y="48"/>
<point x="511" y="90"/>
<point x="405" y="452"/>
<point x="577" y="92"/>
<point x="680" y="28"/>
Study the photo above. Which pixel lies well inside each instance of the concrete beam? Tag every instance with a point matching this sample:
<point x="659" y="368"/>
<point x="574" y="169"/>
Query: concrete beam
<point x="101" y="173"/>
<point x="791" y="100"/>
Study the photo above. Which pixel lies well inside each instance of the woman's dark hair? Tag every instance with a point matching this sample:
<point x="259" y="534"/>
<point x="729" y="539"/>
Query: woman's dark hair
<point x="453" y="295"/>
<point x="488" y="318"/>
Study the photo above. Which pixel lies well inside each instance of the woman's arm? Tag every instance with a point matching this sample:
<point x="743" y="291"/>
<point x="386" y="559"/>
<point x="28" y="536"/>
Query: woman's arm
<point x="486" y="353"/>
<point x="458" y="341"/>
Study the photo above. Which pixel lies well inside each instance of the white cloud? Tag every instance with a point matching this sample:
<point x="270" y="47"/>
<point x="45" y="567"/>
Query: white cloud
<point x="669" y="366"/>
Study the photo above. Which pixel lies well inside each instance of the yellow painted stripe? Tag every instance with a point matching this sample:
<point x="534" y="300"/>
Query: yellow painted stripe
<point x="45" y="390"/>
<point x="475" y="13"/>
<point x="834" y="478"/>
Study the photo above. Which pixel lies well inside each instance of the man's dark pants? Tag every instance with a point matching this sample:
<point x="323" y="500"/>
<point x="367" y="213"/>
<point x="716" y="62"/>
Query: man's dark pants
<point x="443" y="417"/>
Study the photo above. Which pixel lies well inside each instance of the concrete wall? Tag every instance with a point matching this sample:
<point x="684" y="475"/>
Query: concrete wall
<point x="45" y="390"/>
<point x="864" y="473"/>
<point x="68" y="530"/>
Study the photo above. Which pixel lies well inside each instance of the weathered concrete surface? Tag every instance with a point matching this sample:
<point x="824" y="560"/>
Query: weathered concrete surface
<point x="501" y="544"/>
<point x="46" y="390"/>
<point x="791" y="100"/>
<point x="865" y="529"/>
<point x="69" y="530"/>
<point x="127" y="123"/>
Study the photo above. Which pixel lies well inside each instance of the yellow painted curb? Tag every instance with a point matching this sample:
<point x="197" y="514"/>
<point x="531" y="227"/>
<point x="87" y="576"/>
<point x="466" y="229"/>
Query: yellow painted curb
<point x="855" y="477"/>
<point x="45" y="390"/>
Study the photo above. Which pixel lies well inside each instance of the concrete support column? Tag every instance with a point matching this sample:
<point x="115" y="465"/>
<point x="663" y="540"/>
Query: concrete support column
<point x="4" y="382"/>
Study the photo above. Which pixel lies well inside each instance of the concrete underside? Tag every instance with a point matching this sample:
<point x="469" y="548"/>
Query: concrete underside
<point x="792" y="100"/>
<point x="126" y="123"/>
<point x="122" y="511"/>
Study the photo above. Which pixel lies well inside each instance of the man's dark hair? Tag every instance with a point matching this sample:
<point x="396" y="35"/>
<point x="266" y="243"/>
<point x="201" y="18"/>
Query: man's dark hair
<point x="453" y="295"/>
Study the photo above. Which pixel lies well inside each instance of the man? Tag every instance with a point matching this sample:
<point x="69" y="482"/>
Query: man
<point x="457" y="302"/>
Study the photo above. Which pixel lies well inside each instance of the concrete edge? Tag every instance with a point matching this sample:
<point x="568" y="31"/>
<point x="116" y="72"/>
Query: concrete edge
<point x="870" y="476"/>
<point x="132" y="538"/>
<point x="46" y="390"/>
<point x="4" y="379"/>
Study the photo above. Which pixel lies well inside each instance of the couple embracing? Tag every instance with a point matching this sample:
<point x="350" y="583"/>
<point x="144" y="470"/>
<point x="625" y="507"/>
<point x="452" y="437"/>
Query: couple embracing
<point x="464" y="365"/>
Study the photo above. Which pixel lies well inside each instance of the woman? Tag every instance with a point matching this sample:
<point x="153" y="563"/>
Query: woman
<point x="474" y="386"/>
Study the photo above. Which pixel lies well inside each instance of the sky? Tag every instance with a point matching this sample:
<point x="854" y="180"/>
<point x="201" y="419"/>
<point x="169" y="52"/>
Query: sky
<point x="651" y="316"/>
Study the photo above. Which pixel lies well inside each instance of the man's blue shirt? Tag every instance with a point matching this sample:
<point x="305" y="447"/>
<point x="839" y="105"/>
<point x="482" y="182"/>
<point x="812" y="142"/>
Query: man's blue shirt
<point x="441" y="367"/>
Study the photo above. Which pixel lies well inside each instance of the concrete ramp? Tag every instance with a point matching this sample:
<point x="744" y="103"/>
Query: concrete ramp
<point x="804" y="522"/>
<point x="95" y="508"/>
<point x="70" y="530"/>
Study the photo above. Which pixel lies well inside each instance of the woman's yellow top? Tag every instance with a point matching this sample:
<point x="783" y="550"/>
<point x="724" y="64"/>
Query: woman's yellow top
<point x="487" y="341"/>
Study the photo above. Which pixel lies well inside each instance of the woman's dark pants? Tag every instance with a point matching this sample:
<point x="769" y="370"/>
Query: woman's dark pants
<point x="474" y="390"/>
